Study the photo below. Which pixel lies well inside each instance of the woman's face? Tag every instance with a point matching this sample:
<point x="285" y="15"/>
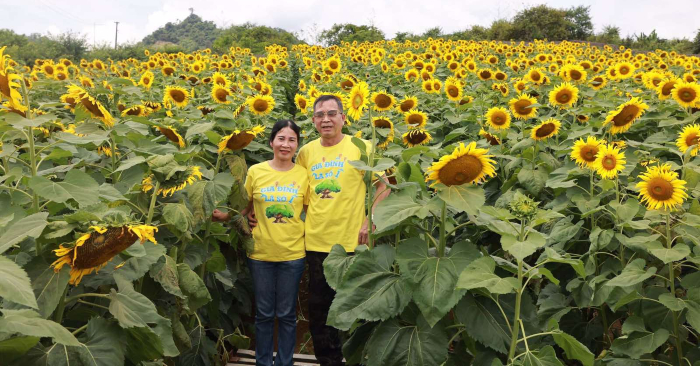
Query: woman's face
<point x="285" y="144"/>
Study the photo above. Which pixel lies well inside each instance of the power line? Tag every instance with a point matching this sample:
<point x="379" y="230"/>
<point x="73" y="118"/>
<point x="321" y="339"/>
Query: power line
<point x="63" y="13"/>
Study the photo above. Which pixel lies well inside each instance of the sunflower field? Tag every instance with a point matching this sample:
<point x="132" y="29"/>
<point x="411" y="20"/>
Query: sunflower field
<point x="543" y="211"/>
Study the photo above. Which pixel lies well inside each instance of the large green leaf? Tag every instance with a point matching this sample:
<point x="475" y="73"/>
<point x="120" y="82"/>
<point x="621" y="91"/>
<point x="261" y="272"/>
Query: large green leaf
<point x="202" y="348"/>
<point x="178" y="216"/>
<point x="77" y="185"/>
<point x="165" y="273"/>
<point x="105" y="345"/>
<point x="336" y="264"/>
<point x="434" y="278"/>
<point x="15" y="285"/>
<point x="522" y="249"/>
<point x="480" y="274"/>
<point x="15" y="347"/>
<point x="573" y="348"/>
<point x="639" y="343"/>
<point x="463" y="198"/>
<point x="205" y="195"/>
<point x="484" y="322"/>
<point x="532" y="180"/>
<point x="546" y="356"/>
<point x="395" y="209"/>
<point x="28" y="227"/>
<point x="674" y="254"/>
<point x="393" y="343"/>
<point x="193" y="287"/>
<point x="632" y="274"/>
<point x="29" y="323"/>
<point x="371" y="291"/>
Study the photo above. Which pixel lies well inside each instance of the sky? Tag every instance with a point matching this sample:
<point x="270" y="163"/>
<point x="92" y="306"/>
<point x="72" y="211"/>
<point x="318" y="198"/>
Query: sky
<point x="95" y="19"/>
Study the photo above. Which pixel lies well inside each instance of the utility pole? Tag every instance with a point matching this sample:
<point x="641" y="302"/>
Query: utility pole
<point x="116" y="31"/>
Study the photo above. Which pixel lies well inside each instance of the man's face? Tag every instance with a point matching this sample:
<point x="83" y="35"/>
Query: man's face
<point x="329" y="127"/>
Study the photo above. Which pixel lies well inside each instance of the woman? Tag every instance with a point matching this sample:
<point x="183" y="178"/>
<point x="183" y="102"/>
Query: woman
<point x="276" y="188"/>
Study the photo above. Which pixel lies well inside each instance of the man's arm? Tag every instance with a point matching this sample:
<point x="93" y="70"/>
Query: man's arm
<point x="381" y="193"/>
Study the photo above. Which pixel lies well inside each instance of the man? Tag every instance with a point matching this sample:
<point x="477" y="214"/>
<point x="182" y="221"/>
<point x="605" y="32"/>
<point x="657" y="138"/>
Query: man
<point x="335" y="215"/>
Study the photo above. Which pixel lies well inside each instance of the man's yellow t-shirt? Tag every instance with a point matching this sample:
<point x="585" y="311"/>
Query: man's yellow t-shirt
<point x="336" y="196"/>
<point x="278" y="201"/>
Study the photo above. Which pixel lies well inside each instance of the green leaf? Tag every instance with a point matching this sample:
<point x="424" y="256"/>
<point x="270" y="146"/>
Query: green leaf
<point x="77" y="185"/>
<point x="111" y="194"/>
<point x="394" y="209"/>
<point x="206" y="195"/>
<point x="379" y="166"/>
<point x="105" y="345"/>
<point x="632" y="296"/>
<point x="126" y="164"/>
<point x="633" y="324"/>
<point x="573" y="348"/>
<point x="15" y="285"/>
<point x="632" y="274"/>
<point x="463" y="198"/>
<point x="199" y="128"/>
<point x="15" y="347"/>
<point x="336" y="265"/>
<point x="48" y="189"/>
<point x="639" y="343"/>
<point x="480" y="274"/>
<point x="523" y="249"/>
<point x="551" y="255"/>
<point x="546" y="356"/>
<point x="178" y="216"/>
<point x="674" y="254"/>
<point x="193" y="287"/>
<point x="393" y="343"/>
<point x="532" y="180"/>
<point x="434" y="278"/>
<point x="199" y="353"/>
<point x="370" y="291"/>
<point x="28" y="323"/>
<point x="672" y="302"/>
<point x="135" y="267"/>
<point x="30" y="226"/>
<point x="627" y="211"/>
<point x="484" y="322"/>
<point x="693" y="314"/>
<point x="165" y="273"/>
<point x="600" y="239"/>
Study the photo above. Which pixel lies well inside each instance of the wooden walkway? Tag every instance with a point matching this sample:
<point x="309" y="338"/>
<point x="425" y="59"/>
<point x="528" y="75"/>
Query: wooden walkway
<point x="247" y="358"/>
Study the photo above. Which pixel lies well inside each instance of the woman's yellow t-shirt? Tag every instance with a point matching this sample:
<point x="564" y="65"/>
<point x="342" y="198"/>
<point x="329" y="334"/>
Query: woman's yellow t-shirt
<point x="336" y="195"/>
<point x="278" y="201"/>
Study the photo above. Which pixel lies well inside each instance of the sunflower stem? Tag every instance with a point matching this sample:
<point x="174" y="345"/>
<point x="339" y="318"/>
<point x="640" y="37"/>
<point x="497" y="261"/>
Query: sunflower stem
<point x="32" y="149"/>
<point x="58" y="317"/>
<point x="75" y="332"/>
<point x="152" y="206"/>
<point x="516" y="318"/>
<point x="443" y="240"/>
<point x="672" y="280"/>
<point x="113" y="146"/>
<point x="370" y="200"/>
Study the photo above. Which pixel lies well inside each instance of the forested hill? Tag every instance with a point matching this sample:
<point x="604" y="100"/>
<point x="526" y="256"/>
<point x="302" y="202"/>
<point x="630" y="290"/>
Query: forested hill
<point x="191" y="33"/>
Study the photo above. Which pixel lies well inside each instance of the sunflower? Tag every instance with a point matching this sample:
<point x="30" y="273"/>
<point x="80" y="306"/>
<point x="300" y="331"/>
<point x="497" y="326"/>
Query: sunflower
<point x="686" y="94"/>
<point x="94" y="250"/>
<point x="220" y="94"/>
<point x="484" y="74"/>
<point x="415" y="118"/>
<point x="146" y="80"/>
<point x="535" y="76"/>
<point x="8" y="83"/>
<point x="152" y="106"/>
<point x="625" y="114"/>
<point x="598" y="82"/>
<point x="383" y="101"/>
<point x="239" y="139"/>
<point x="453" y="90"/>
<point x="564" y="96"/>
<point x="582" y="118"/>
<point x="407" y="103"/>
<point x="261" y="104"/>
<point x="689" y="138"/>
<point x="427" y="86"/>
<point x="357" y="100"/>
<point x="519" y="85"/>
<point x="178" y="95"/>
<point x="498" y="118"/>
<point x="520" y="107"/>
<point x="172" y="135"/>
<point x="301" y="102"/>
<point x="92" y="105"/>
<point x="416" y="136"/>
<point x="492" y="139"/>
<point x="86" y="82"/>
<point x="174" y="183"/>
<point x="546" y="129"/>
<point x="385" y="123"/>
<point x="660" y="188"/>
<point x="666" y="87"/>
<point x="584" y="151"/>
<point x="137" y="110"/>
<point x="411" y="75"/>
<point x="466" y="164"/>
<point x="609" y="161"/>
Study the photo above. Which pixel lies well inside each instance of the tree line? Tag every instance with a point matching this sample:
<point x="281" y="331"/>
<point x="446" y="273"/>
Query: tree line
<point x="193" y="33"/>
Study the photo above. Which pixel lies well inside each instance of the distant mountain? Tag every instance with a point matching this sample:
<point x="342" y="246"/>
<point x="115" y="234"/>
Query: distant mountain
<point x="191" y="33"/>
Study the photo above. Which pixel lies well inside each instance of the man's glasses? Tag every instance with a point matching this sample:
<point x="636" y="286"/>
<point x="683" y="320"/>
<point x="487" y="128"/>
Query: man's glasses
<point x="332" y="113"/>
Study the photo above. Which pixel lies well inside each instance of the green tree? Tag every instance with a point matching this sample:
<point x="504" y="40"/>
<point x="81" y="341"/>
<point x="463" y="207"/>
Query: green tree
<point x="340" y="33"/>
<point x="192" y="33"/>
<point x="540" y="22"/>
<point x="580" y="24"/>
<point x="609" y="34"/>
<point x="696" y="43"/>
<point x="279" y="211"/>
<point x="255" y="37"/>
<point x="475" y="33"/>
<point x="501" y="30"/>
<point x="434" y="32"/>
<point x="326" y="187"/>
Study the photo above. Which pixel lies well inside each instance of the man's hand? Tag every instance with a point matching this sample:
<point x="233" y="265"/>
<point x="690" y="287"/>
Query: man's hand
<point x="363" y="237"/>
<point x="220" y="216"/>
<point x="250" y="215"/>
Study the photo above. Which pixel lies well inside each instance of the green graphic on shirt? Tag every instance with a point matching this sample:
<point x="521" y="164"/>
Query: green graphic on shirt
<point x="326" y="187"/>
<point x="279" y="211"/>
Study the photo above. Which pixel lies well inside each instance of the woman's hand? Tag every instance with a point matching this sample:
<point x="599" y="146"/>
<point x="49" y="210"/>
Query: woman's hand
<point x="220" y="216"/>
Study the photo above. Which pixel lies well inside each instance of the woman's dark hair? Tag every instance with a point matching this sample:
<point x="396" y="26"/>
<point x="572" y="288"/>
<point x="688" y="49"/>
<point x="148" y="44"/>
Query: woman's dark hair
<point x="282" y="124"/>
